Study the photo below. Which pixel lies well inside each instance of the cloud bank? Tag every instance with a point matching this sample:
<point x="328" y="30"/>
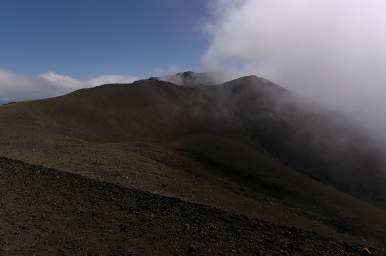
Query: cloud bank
<point x="333" y="51"/>
<point x="15" y="87"/>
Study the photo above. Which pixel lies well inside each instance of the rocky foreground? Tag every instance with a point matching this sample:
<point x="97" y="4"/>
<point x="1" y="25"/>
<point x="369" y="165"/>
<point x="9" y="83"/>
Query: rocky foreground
<point x="48" y="212"/>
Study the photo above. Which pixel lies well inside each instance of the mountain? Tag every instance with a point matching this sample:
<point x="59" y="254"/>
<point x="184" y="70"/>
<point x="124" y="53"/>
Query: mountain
<point x="247" y="146"/>
<point x="191" y="78"/>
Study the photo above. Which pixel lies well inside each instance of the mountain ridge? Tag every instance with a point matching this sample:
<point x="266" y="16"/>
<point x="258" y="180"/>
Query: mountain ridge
<point x="234" y="145"/>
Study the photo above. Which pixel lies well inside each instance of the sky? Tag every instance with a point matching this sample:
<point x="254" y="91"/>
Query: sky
<point x="87" y="38"/>
<point x="51" y="47"/>
<point x="331" y="51"/>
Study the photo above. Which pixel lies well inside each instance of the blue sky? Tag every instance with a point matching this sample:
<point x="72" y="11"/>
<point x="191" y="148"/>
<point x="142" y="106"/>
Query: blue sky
<point x="86" y="38"/>
<point x="333" y="51"/>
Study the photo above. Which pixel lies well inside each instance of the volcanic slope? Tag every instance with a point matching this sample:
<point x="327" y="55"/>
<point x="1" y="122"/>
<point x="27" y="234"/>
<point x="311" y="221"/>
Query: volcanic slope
<point x="48" y="212"/>
<point x="247" y="146"/>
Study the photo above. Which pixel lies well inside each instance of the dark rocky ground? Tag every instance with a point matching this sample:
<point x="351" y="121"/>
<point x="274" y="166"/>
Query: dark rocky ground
<point x="48" y="212"/>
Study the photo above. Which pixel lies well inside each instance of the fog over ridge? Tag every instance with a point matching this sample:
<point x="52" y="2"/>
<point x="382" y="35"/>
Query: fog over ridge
<point x="331" y="51"/>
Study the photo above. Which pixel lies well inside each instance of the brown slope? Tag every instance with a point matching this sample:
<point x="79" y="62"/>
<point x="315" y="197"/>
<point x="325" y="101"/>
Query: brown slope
<point x="200" y="143"/>
<point x="48" y="212"/>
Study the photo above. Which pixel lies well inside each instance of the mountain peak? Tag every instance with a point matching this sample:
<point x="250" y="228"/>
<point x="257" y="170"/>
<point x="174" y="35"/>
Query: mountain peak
<point x="255" y="83"/>
<point x="190" y="78"/>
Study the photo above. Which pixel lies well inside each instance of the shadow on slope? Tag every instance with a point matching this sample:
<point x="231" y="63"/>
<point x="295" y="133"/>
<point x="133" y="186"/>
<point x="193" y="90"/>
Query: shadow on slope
<point x="251" y="130"/>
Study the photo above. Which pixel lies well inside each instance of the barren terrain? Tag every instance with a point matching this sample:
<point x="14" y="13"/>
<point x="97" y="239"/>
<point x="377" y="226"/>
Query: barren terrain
<point x="248" y="147"/>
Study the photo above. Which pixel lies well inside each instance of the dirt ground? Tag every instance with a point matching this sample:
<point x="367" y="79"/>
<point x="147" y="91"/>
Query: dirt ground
<point x="48" y="212"/>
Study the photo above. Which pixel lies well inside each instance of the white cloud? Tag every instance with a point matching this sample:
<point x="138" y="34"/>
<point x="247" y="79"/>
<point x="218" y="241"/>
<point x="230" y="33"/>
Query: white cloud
<point x="161" y="72"/>
<point x="14" y="86"/>
<point x="333" y="50"/>
<point x="112" y="79"/>
<point x="67" y="82"/>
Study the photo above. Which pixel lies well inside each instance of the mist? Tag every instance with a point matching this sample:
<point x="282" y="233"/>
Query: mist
<point x="328" y="50"/>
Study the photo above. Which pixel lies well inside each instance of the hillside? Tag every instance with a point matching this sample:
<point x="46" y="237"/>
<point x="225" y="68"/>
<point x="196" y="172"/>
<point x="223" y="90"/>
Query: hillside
<point x="247" y="146"/>
<point x="48" y="212"/>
